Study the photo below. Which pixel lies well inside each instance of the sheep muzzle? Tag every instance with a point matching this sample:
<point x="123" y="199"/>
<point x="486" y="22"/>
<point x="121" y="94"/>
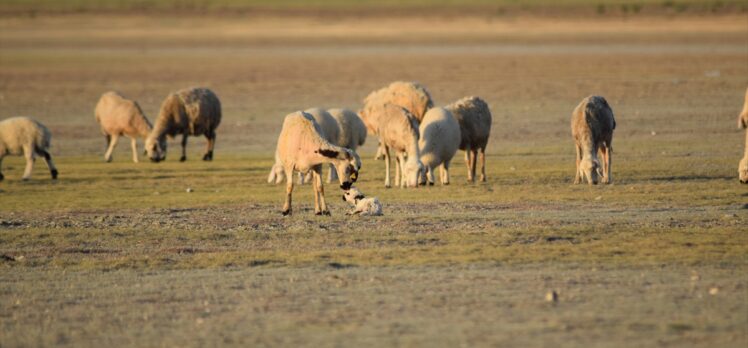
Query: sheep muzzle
<point x="346" y="185"/>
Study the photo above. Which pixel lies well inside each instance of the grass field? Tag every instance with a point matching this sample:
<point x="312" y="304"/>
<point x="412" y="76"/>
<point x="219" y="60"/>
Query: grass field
<point x="121" y="254"/>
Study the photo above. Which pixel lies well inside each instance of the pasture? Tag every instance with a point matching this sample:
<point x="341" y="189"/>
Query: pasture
<point x="122" y="254"/>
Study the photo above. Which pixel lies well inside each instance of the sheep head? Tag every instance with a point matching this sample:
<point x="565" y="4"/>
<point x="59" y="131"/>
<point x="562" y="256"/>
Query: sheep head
<point x="346" y="162"/>
<point x="588" y="170"/>
<point x="155" y="148"/>
<point x="743" y="170"/>
<point x="412" y="172"/>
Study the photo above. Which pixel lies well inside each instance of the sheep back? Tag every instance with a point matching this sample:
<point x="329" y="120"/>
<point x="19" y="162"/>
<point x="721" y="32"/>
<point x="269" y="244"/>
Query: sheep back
<point x="299" y="138"/>
<point x="192" y="111"/>
<point x="17" y="132"/>
<point x="474" y="117"/>
<point x="119" y="115"/>
<point x="352" y="128"/>
<point x="327" y="124"/>
<point x="398" y="128"/>
<point x="410" y="95"/>
<point x="440" y="137"/>
<point x="592" y="122"/>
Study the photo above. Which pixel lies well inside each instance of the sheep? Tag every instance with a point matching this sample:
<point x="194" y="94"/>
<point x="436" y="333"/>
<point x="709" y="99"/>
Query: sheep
<point x="474" y="117"/>
<point x="398" y="131"/>
<point x="119" y="116"/>
<point x="743" y="123"/>
<point x="361" y="204"/>
<point x="302" y="148"/>
<point x="592" y="125"/>
<point x="440" y="139"/>
<point x="23" y="135"/>
<point x="410" y="95"/>
<point x="192" y="111"/>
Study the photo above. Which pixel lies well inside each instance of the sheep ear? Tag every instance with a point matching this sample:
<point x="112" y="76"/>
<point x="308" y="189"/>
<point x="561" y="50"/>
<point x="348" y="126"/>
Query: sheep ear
<point x="327" y="153"/>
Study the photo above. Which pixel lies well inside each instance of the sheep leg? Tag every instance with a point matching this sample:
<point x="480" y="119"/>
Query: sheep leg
<point x="431" y="176"/>
<point x="30" y="157"/>
<point x="469" y="159"/>
<point x="321" y="193"/>
<point x="184" y="149"/>
<point x="134" y="145"/>
<point x="51" y="165"/>
<point x="289" y="191"/>
<point x="483" y="164"/>
<point x="209" y="149"/>
<point x="605" y="151"/>
<point x="578" y="158"/>
<point x="387" y="167"/>
<point x="399" y="171"/>
<point x="444" y="172"/>
<point x="112" y="144"/>
<point x="1" y="167"/>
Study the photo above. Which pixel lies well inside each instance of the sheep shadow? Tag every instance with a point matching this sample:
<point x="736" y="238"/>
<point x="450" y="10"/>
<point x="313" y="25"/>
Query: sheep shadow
<point x="693" y="177"/>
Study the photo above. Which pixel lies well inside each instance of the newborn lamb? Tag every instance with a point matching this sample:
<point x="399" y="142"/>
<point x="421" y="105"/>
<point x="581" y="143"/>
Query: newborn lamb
<point x="361" y="204"/>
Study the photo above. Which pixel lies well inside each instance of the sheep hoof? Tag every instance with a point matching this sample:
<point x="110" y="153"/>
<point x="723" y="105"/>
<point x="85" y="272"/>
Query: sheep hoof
<point x="431" y="184"/>
<point x="25" y="178"/>
<point x="2" y="177"/>
<point x="286" y="212"/>
<point x="208" y="156"/>
<point x="182" y="159"/>
<point x="54" y="174"/>
<point x="326" y="213"/>
<point x="108" y="160"/>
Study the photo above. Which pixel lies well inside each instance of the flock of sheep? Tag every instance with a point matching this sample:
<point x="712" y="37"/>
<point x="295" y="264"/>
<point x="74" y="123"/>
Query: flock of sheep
<point x="422" y="137"/>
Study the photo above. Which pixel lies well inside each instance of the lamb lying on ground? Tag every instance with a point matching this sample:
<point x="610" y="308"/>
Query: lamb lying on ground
<point x="27" y="137"/>
<point x="361" y="204"/>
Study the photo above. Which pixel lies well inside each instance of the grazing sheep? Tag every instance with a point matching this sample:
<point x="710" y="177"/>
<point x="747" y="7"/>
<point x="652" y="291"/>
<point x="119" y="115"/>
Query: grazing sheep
<point x="474" y="117"/>
<point x="192" y="111"/>
<point x="23" y="135"/>
<point x="302" y="148"/>
<point x="440" y="139"/>
<point x="592" y="125"/>
<point x="119" y="116"/>
<point x="398" y="131"/>
<point x="330" y="131"/>
<point x="361" y="204"/>
<point x="743" y="123"/>
<point x="410" y="95"/>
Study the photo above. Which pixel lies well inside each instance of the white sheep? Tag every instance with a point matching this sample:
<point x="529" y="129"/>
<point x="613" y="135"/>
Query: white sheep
<point x="743" y="123"/>
<point x="27" y="137"/>
<point x="440" y="139"/>
<point x="398" y="132"/>
<point x="119" y="116"/>
<point x="361" y="204"/>
<point x="192" y="111"/>
<point x="592" y="125"/>
<point x="410" y="95"/>
<point x="301" y="148"/>
<point x="474" y="117"/>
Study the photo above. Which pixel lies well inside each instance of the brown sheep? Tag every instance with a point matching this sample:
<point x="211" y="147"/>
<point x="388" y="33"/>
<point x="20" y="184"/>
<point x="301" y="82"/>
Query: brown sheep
<point x="192" y="111"/>
<point x="410" y="95"/>
<point x="474" y="117"/>
<point x="592" y="125"/>
<point x="119" y="116"/>
<point x="398" y="132"/>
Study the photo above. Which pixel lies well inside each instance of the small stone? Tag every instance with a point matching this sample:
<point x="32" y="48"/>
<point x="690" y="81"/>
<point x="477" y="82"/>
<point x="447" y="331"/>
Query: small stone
<point x="512" y="168"/>
<point x="551" y="296"/>
<point x="653" y="133"/>
<point x="713" y="290"/>
<point x="189" y="190"/>
<point x="156" y="193"/>
<point x="598" y="198"/>
<point x="695" y="277"/>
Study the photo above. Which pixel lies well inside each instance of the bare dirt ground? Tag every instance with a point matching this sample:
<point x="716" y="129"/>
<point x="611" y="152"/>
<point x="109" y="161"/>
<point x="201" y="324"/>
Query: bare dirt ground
<point x="121" y="254"/>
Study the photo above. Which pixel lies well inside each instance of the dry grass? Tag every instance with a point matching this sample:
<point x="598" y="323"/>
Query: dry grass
<point x="121" y="254"/>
